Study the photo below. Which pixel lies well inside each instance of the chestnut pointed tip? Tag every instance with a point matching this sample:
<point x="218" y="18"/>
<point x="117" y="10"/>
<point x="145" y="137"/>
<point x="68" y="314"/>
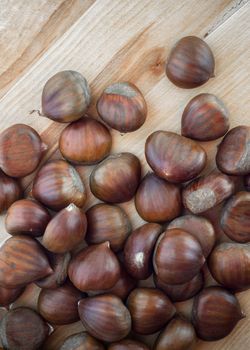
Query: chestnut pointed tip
<point x="44" y="147"/>
<point x="242" y="315"/>
<point x="71" y="207"/>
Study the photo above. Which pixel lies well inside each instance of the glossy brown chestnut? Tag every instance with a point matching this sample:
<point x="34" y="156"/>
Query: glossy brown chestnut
<point x="205" y="118"/>
<point x="215" y="313"/>
<point x="235" y="217"/>
<point x="122" y="106"/>
<point x="234" y="153"/>
<point x="22" y="261"/>
<point x="150" y="310"/>
<point x="128" y="344"/>
<point x="8" y="296"/>
<point x="21" y="150"/>
<point x="178" y="257"/>
<point x="94" y="268"/>
<point x="85" y="141"/>
<point x="207" y="191"/>
<point x="179" y="334"/>
<point x="65" y="97"/>
<point x="173" y="157"/>
<point x="138" y="250"/>
<point x="247" y="182"/>
<point x="58" y="184"/>
<point x="157" y="200"/>
<point x="229" y="264"/>
<point x="190" y="63"/>
<point x="81" y="341"/>
<point x="105" y="317"/>
<point x="199" y="227"/>
<point x="123" y="286"/>
<point x="181" y="292"/>
<point x="107" y="223"/>
<point x="10" y="191"/>
<point x="27" y="217"/>
<point x="59" y="306"/>
<point x="115" y="179"/>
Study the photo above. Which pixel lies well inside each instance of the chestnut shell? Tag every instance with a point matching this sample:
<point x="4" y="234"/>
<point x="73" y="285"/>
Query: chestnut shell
<point x="81" y="341"/>
<point x="10" y="191"/>
<point x="128" y="344"/>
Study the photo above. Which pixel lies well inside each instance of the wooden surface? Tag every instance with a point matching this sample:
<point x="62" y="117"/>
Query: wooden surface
<point x="111" y="40"/>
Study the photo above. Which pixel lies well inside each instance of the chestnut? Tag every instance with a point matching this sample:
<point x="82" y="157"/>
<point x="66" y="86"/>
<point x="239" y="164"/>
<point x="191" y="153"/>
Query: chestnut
<point x="8" y="296"/>
<point x="105" y="317"/>
<point x="178" y="257"/>
<point x="207" y="191"/>
<point x="190" y="63"/>
<point x="28" y="217"/>
<point x="94" y="268"/>
<point x="80" y="341"/>
<point x="65" y="96"/>
<point x="205" y="118"/>
<point x="107" y="223"/>
<point x="128" y="344"/>
<point x="233" y="152"/>
<point x="58" y="184"/>
<point x="138" y="250"/>
<point x="86" y="141"/>
<point x="199" y="227"/>
<point x="150" y="310"/>
<point x="116" y="178"/>
<point x="235" y="217"/>
<point x="247" y="182"/>
<point x="23" y="329"/>
<point x="122" y="106"/>
<point x="173" y="157"/>
<point x="215" y="313"/>
<point x="157" y="200"/>
<point x="10" y="191"/>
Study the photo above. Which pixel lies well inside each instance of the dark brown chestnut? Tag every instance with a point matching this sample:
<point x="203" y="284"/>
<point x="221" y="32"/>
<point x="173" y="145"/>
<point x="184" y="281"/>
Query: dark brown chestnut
<point x="247" y="182"/>
<point x="21" y="150"/>
<point x="138" y="250"/>
<point x="65" y="97"/>
<point x="233" y="152"/>
<point x="215" y="313"/>
<point x="23" y="329"/>
<point x="27" y="217"/>
<point x="150" y="310"/>
<point x="86" y="141"/>
<point x="94" y="268"/>
<point x="58" y="184"/>
<point x="190" y="63"/>
<point x="235" y="217"/>
<point x="123" y="286"/>
<point x="173" y="157"/>
<point x="157" y="200"/>
<point x="105" y="317"/>
<point x="207" y="191"/>
<point x="128" y="344"/>
<point x="10" y="191"/>
<point x="8" y="296"/>
<point x="22" y="261"/>
<point x="178" y="257"/>
<point x="179" y="334"/>
<point x="81" y="341"/>
<point x="107" y="223"/>
<point x="122" y="106"/>
<point x="116" y="178"/>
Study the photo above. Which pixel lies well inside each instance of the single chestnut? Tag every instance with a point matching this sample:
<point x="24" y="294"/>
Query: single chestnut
<point x="58" y="184"/>
<point x="138" y="250"/>
<point x="157" y="200"/>
<point x="247" y="182"/>
<point x="10" y="191"/>
<point x="105" y="317"/>
<point x="190" y="63"/>
<point x="207" y="191"/>
<point x="65" y="96"/>
<point x="23" y="329"/>
<point x="233" y="152"/>
<point x="122" y="106"/>
<point x="82" y="341"/>
<point x="150" y="310"/>
<point x="215" y="313"/>
<point x="235" y="217"/>
<point x="178" y="257"/>
<point x="123" y="286"/>
<point x="8" y="296"/>
<point x="179" y="334"/>
<point x="27" y="217"/>
<point x="199" y="227"/>
<point x="94" y="268"/>
<point x="22" y="261"/>
<point x="116" y="178"/>
<point x="128" y="344"/>
<point x="173" y="157"/>
<point x="86" y="141"/>
<point x="107" y="223"/>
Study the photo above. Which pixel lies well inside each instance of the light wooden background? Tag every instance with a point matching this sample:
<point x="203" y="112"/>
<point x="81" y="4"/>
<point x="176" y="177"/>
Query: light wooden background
<point x="113" y="40"/>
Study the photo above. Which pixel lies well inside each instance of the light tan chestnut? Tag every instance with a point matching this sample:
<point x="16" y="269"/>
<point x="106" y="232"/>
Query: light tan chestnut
<point x="10" y="191"/>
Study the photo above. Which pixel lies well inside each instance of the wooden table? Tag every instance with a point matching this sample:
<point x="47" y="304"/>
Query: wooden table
<point x="111" y="40"/>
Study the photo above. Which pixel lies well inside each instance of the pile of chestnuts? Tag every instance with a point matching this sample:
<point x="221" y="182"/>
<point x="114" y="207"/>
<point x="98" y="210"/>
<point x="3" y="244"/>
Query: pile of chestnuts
<point x="90" y="265"/>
